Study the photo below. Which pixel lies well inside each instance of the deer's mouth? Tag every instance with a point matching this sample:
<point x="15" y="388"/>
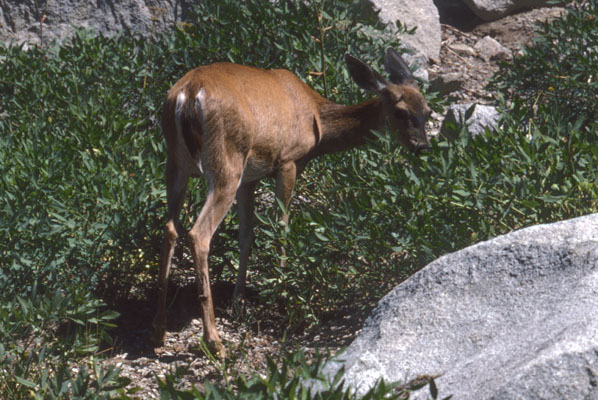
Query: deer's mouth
<point x="416" y="144"/>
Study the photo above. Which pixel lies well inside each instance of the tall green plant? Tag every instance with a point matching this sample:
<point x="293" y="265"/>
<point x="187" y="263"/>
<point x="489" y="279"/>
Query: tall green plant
<point x="559" y="70"/>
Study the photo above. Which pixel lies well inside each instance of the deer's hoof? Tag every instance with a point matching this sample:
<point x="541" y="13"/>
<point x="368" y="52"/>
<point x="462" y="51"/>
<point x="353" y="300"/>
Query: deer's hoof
<point x="218" y="349"/>
<point x="212" y="348"/>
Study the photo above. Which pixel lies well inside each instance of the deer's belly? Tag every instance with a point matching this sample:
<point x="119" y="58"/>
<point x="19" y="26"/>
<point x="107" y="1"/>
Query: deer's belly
<point x="256" y="170"/>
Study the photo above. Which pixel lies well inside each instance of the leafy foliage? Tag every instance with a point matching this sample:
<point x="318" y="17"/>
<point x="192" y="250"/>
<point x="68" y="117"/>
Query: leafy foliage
<point x="558" y="73"/>
<point x="294" y="378"/>
<point x="40" y="336"/>
<point x="82" y="200"/>
<point x="81" y="167"/>
<point x="401" y="211"/>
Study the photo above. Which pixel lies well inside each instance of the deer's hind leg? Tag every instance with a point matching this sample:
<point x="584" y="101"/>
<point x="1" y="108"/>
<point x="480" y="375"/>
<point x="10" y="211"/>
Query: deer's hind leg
<point x="219" y="200"/>
<point x="176" y="186"/>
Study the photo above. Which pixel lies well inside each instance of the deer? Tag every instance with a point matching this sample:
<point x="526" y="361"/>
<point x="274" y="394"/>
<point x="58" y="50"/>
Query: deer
<point x="235" y="125"/>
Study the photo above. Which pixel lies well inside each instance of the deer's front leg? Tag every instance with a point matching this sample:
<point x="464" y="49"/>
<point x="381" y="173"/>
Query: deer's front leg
<point x="245" y="202"/>
<point x="218" y="202"/>
<point x="285" y="183"/>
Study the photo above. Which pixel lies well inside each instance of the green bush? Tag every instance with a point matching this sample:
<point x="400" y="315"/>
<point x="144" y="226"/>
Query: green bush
<point x="292" y="378"/>
<point x="391" y="212"/>
<point x="80" y="172"/>
<point x="42" y="340"/>
<point x="75" y="190"/>
<point x="82" y="201"/>
<point x="558" y="72"/>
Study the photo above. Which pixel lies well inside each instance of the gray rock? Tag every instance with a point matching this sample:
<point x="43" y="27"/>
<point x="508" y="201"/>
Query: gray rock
<point x="515" y="317"/>
<point x="422" y="14"/>
<point x="490" y="10"/>
<point x="463" y="49"/>
<point x="418" y="63"/>
<point x="20" y="21"/>
<point x="490" y="49"/>
<point x="446" y="83"/>
<point x="483" y="117"/>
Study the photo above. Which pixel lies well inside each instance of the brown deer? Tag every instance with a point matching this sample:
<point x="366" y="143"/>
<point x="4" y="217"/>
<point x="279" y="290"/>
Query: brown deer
<point x="235" y="125"/>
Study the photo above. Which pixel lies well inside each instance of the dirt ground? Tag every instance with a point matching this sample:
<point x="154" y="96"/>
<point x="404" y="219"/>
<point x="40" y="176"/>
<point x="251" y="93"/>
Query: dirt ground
<point x="249" y="341"/>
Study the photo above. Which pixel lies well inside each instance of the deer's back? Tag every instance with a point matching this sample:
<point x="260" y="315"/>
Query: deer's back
<point x="269" y="116"/>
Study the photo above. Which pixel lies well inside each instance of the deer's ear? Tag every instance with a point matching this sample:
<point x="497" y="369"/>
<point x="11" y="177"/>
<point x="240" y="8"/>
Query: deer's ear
<point x="365" y="77"/>
<point x="397" y="68"/>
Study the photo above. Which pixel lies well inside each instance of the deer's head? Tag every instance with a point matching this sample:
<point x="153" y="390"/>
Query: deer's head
<point x="403" y="103"/>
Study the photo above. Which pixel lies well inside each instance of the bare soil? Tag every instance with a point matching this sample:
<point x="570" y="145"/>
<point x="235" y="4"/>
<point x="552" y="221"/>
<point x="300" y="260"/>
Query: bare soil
<point x="253" y="334"/>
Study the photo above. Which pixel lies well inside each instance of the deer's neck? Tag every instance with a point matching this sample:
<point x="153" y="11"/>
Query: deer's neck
<point x="345" y="127"/>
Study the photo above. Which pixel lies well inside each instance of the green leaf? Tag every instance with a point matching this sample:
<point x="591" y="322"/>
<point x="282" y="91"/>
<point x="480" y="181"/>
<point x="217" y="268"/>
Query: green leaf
<point x="26" y="382"/>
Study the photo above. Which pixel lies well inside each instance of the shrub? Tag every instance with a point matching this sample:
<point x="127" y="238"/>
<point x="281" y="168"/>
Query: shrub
<point x="74" y="195"/>
<point x="291" y="378"/>
<point x="43" y="337"/>
<point x="391" y="213"/>
<point x="558" y="72"/>
<point x="82" y="201"/>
